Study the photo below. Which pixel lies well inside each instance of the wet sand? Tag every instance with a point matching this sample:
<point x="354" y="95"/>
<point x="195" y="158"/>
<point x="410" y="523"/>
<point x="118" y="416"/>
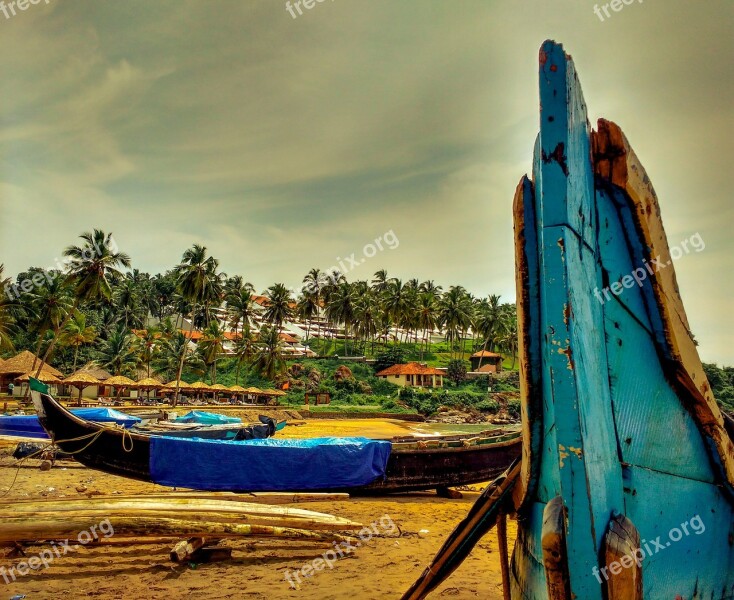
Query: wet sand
<point x="383" y="567"/>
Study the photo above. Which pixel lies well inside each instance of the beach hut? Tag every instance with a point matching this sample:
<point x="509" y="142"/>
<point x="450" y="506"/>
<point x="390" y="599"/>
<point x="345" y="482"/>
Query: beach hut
<point x="237" y="390"/>
<point x="147" y="384"/>
<point x="200" y="387"/>
<point x="22" y="363"/>
<point x="120" y="382"/>
<point x="80" y="381"/>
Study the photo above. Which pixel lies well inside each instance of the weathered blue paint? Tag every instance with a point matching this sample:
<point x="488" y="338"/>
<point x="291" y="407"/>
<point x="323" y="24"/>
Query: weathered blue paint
<point x="617" y="433"/>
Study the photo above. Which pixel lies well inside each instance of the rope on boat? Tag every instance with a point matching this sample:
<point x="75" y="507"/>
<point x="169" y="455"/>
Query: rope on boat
<point x="126" y="435"/>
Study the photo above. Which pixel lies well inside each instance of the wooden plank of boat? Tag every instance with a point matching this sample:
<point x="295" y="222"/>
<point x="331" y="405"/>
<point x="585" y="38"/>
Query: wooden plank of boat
<point x="128" y="454"/>
<point x="608" y="370"/>
<point x="69" y="527"/>
<point x="172" y="504"/>
<point x="254" y="497"/>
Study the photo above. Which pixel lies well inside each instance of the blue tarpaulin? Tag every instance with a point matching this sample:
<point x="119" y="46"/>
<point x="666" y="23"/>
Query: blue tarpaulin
<point x="206" y="418"/>
<point x="267" y="465"/>
<point x="29" y="426"/>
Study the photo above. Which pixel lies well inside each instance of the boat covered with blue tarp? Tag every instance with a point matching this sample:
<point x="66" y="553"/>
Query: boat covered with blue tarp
<point x="269" y="464"/>
<point x="206" y="418"/>
<point x="30" y="426"/>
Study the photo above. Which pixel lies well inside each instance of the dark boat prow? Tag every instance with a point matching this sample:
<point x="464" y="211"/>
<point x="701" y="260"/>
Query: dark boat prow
<point x="414" y="464"/>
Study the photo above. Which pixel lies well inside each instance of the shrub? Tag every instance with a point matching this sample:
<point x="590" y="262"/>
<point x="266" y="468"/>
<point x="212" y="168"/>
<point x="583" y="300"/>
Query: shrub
<point x="490" y="406"/>
<point x="390" y="357"/>
<point x="456" y="371"/>
<point x="513" y="407"/>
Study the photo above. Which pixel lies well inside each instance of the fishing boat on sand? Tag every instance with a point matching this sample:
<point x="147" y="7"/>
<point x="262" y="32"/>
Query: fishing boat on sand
<point x="356" y="465"/>
<point x="625" y="489"/>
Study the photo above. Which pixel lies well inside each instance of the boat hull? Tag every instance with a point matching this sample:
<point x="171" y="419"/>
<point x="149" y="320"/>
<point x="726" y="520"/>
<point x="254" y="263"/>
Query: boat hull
<point x="410" y="469"/>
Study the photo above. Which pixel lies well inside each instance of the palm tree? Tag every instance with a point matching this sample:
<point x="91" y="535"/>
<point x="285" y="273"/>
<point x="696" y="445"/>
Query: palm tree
<point x="77" y="333"/>
<point x="118" y="354"/>
<point x="6" y="318"/>
<point x="269" y="358"/>
<point x="149" y="345"/>
<point x="427" y="316"/>
<point x="244" y="350"/>
<point x="340" y="310"/>
<point x="211" y="347"/>
<point x="50" y="305"/>
<point x="278" y="309"/>
<point x="489" y="322"/>
<point x="128" y="305"/>
<point x="91" y="267"/>
<point x="455" y="314"/>
<point x="175" y="350"/>
<point x="380" y="281"/>
<point x="241" y="307"/>
<point x="196" y="274"/>
<point x="395" y="302"/>
<point x="307" y="308"/>
<point x="367" y="316"/>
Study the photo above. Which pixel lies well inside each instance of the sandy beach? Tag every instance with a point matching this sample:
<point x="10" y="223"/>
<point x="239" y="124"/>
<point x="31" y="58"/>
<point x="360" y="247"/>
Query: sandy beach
<point x="382" y="567"/>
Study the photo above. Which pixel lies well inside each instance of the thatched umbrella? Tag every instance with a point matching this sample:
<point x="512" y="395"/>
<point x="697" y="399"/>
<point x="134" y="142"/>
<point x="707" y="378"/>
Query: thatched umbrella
<point x="147" y="384"/>
<point x="23" y="363"/>
<point x="200" y="387"/>
<point x="237" y="389"/>
<point x="119" y="382"/>
<point x="80" y="381"/>
<point x="217" y="388"/>
<point x="44" y="376"/>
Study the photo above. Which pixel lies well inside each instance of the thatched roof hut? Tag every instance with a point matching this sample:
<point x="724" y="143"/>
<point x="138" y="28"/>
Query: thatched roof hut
<point x="22" y="363"/>
<point x="94" y="370"/>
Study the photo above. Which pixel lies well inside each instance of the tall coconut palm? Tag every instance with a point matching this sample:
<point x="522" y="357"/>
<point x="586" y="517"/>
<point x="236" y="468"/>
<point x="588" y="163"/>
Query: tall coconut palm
<point x="395" y="302"/>
<point x="306" y="309"/>
<point x="367" y="317"/>
<point x="241" y="307"/>
<point x="380" y="281"/>
<point x="455" y="314"/>
<point x="279" y="307"/>
<point x="244" y="351"/>
<point x="489" y="322"/>
<point x="118" y="353"/>
<point x="50" y="304"/>
<point x="427" y="316"/>
<point x="211" y="347"/>
<point x="197" y="276"/>
<point x="76" y="334"/>
<point x="128" y="304"/>
<point x="340" y="310"/>
<point x="269" y="353"/>
<point x="91" y="266"/>
<point x="7" y="302"/>
<point x="149" y="343"/>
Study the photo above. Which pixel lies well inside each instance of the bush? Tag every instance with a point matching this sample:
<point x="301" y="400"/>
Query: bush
<point x="456" y="371"/>
<point x="489" y="406"/>
<point x="390" y="357"/>
<point x="389" y="404"/>
<point x="513" y="407"/>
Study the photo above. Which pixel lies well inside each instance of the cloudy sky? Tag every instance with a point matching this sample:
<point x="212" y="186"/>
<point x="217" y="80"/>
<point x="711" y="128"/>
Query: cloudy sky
<point x="282" y="144"/>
